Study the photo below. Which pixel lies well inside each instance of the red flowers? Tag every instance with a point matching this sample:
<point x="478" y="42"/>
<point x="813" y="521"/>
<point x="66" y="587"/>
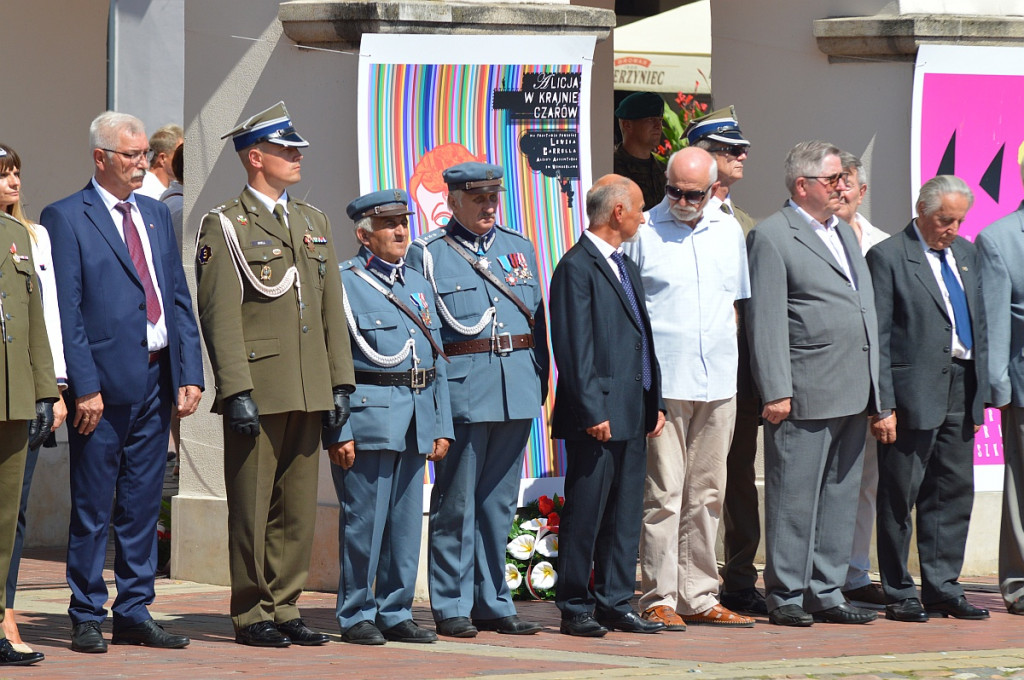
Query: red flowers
<point x="545" y="505"/>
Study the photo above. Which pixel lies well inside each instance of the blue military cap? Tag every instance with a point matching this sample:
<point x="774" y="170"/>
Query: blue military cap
<point x="270" y="125"/>
<point x="720" y="125"/>
<point x="474" y="178"/>
<point x="384" y="203"/>
<point x="641" y="105"/>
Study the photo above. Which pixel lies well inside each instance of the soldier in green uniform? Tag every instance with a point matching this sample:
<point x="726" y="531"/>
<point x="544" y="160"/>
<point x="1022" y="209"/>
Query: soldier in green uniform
<point x="28" y="388"/>
<point x="270" y="305"/>
<point x="640" y="121"/>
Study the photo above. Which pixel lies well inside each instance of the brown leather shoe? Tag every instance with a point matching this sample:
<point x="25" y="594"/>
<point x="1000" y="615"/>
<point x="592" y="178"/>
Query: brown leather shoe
<point x="872" y="593"/>
<point x="665" y="614"/>
<point x="719" y="616"/>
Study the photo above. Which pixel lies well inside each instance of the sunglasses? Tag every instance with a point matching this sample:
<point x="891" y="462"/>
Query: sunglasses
<point x="736" y="150"/>
<point x="832" y="181"/>
<point x="691" y="196"/>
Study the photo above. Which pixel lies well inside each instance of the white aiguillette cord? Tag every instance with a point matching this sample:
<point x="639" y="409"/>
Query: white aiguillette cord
<point x="381" y="360"/>
<point x="290" y="278"/>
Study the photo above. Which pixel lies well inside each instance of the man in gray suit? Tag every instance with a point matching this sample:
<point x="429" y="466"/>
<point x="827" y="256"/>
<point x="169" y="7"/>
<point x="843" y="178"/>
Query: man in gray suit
<point x="812" y="330"/>
<point x="1001" y="257"/>
<point x="931" y="338"/>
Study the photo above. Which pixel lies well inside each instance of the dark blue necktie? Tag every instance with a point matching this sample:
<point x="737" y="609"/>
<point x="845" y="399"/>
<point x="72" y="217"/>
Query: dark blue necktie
<point x="957" y="300"/>
<point x="627" y="286"/>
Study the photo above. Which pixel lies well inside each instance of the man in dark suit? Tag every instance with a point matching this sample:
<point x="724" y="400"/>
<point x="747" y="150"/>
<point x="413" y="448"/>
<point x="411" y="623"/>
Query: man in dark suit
<point x="608" y="398"/>
<point x="812" y="331"/>
<point x="132" y="348"/>
<point x="933" y="383"/>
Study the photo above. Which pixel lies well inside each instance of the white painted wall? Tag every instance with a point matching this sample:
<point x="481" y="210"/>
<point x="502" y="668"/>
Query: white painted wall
<point x="766" y="62"/>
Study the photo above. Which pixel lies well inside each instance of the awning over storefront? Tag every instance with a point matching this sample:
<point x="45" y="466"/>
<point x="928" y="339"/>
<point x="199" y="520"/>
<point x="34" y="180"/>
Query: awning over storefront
<point x="667" y="52"/>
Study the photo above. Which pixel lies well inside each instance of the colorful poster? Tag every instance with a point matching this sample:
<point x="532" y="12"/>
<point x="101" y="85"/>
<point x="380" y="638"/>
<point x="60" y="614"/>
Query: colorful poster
<point x="968" y="121"/>
<point x="427" y="102"/>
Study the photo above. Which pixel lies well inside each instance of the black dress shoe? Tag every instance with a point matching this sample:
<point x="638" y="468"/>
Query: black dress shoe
<point x="363" y="633"/>
<point x="872" y="593"/>
<point x="790" y="615"/>
<point x="509" y="625"/>
<point x="262" y="634"/>
<point x="630" y="622"/>
<point x="582" y="625"/>
<point x="9" y="657"/>
<point x="457" y="626"/>
<point x="300" y="634"/>
<point x="87" y="638"/>
<point x="747" y="600"/>
<point x="958" y="608"/>
<point x="909" y="610"/>
<point x="148" y="633"/>
<point x="844" y="613"/>
<point x="408" y="631"/>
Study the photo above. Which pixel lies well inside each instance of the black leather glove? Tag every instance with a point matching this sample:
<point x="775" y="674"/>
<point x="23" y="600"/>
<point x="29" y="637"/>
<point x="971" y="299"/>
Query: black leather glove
<point x="242" y="414"/>
<point x="39" y="427"/>
<point x="338" y="416"/>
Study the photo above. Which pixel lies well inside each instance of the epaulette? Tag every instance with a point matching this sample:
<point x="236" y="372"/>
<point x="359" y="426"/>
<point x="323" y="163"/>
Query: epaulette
<point x="347" y="264"/>
<point x="510" y="230"/>
<point x="224" y="206"/>
<point x="430" y="236"/>
<point x="309" y="205"/>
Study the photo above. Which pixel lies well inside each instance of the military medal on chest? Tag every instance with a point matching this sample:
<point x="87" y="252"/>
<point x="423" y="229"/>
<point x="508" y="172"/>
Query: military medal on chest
<point x="265" y="273"/>
<point x="510" y="274"/>
<point x="420" y="300"/>
<point x="521" y="266"/>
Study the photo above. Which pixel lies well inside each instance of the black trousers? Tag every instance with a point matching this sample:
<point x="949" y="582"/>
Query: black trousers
<point x="600" y="526"/>
<point x="934" y="471"/>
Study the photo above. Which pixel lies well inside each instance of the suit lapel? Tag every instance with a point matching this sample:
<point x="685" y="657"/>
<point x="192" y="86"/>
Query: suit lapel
<point x="917" y="261"/>
<point x="606" y="270"/>
<point x="101" y="218"/>
<point x="805" y="234"/>
<point x="967" y="277"/>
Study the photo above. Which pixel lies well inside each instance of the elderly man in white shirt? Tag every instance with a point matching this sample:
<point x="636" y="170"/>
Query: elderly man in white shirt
<point x="693" y="261"/>
<point x="858" y="586"/>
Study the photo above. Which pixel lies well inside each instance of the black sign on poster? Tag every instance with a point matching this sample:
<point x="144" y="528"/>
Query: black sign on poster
<point x="554" y="153"/>
<point x="546" y="97"/>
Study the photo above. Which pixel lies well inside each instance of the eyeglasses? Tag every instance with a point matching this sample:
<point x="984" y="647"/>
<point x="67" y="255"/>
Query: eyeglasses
<point x="130" y="156"/>
<point x="736" y="150"/>
<point x="832" y="181"/>
<point x="691" y="196"/>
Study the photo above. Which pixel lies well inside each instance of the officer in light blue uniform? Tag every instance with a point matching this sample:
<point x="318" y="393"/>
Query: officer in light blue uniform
<point x="400" y="413"/>
<point x="493" y="325"/>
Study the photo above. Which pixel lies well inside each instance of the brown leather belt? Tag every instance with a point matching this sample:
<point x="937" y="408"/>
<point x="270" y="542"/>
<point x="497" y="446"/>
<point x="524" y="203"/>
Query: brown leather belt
<point x="502" y="344"/>
<point x="157" y="355"/>
<point x="416" y="378"/>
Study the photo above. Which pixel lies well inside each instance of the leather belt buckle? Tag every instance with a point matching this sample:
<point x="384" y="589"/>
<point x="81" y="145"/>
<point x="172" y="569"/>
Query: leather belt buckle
<point x="502" y="344"/>
<point x="417" y="379"/>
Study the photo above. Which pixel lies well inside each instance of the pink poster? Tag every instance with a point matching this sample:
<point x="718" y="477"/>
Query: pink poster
<point x="969" y="122"/>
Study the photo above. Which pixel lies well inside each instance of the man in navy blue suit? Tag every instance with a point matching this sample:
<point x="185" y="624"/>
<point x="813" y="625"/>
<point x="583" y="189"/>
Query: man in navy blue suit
<point x="132" y="347"/>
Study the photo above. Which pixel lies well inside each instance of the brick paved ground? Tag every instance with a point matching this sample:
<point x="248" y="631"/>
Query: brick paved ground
<point x="884" y="649"/>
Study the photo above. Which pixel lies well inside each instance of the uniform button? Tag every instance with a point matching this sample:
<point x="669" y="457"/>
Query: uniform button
<point x="3" y="294"/>
<point x="865" y="348"/>
<point x="377" y="322"/>
<point x="264" y="257"/>
<point x="142" y="306"/>
<point x="143" y="343"/>
<point x="501" y="325"/>
<point x="946" y="350"/>
<point x="637" y="346"/>
<point x="305" y="329"/>
<point x="458" y="287"/>
<point x="949" y="328"/>
<point x="8" y="316"/>
<point x="364" y="400"/>
<point x="637" y="378"/>
<point x="412" y="331"/>
<point x="863" y="309"/>
<point x="10" y="338"/>
<point x="495" y="299"/>
<point x="252" y="355"/>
